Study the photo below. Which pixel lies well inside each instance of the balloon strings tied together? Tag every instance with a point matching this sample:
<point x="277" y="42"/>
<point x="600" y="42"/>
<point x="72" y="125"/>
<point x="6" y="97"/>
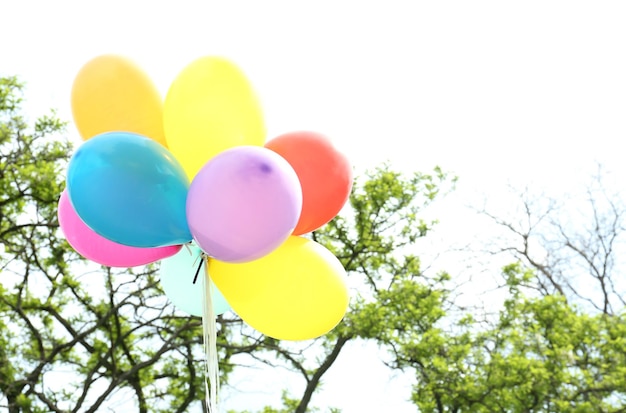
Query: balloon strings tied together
<point x="209" y="330"/>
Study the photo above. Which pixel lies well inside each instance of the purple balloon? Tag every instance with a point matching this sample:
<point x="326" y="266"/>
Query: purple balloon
<point x="243" y="204"/>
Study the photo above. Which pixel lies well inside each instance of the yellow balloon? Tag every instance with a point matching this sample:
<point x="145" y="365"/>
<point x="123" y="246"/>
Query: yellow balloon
<point x="210" y="107"/>
<point x="112" y="93"/>
<point x="296" y="292"/>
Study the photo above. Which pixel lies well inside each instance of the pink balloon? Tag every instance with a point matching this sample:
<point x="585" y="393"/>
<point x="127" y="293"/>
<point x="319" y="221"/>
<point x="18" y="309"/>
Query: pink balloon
<point x="243" y="204"/>
<point x="101" y="250"/>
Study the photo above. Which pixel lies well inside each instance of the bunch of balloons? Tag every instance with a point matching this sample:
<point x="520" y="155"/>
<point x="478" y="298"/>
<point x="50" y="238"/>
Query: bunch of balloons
<point x="193" y="176"/>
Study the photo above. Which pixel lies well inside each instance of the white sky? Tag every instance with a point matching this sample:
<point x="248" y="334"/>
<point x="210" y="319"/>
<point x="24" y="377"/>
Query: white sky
<point x="531" y="91"/>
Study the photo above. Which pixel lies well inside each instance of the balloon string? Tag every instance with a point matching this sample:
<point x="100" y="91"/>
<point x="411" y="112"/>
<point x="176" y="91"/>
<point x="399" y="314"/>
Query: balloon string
<point x="209" y="330"/>
<point x="195" y="278"/>
<point x="188" y="247"/>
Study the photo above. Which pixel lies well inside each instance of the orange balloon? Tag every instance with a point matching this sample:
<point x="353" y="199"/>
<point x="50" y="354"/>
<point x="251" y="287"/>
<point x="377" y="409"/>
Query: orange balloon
<point x="325" y="176"/>
<point x="111" y="93"/>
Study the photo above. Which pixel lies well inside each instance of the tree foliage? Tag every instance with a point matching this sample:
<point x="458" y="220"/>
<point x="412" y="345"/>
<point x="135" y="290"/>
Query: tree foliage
<point x="558" y="343"/>
<point x="540" y="355"/>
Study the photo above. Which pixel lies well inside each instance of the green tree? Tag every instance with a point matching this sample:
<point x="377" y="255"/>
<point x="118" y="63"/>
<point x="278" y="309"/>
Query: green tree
<point x="541" y="354"/>
<point x="558" y="343"/>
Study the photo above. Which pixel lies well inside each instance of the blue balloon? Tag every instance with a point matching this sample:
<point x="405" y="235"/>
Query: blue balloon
<point x="130" y="190"/>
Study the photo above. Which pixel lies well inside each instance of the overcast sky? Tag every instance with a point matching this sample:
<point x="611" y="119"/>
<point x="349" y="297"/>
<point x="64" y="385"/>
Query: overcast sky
<point x="531" y="91"/>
